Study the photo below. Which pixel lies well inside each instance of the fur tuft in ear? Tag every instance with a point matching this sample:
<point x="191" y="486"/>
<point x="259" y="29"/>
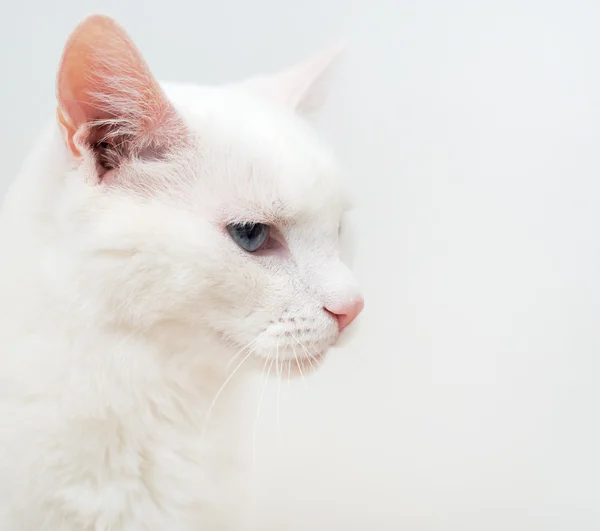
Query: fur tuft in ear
<point x="108" y="101"/>
<point x="300" y="87"/>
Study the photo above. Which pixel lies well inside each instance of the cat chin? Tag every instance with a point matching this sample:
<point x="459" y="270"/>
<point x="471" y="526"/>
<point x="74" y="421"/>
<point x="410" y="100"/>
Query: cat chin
<point x="301" y="367"/>
<point x="298" y="366"/>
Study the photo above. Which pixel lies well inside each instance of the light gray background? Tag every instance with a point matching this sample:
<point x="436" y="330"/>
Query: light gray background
<point x="470" y="132"/>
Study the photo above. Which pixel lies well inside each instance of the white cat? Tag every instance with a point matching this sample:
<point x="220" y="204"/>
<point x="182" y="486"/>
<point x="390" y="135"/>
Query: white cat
<point x="159" y="238"/>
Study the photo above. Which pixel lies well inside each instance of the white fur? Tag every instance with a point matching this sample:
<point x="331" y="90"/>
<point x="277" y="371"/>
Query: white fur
<point x="122" y="308"/>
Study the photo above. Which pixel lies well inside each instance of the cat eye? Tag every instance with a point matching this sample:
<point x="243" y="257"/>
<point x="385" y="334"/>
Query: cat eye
<point x="249" y="236"/>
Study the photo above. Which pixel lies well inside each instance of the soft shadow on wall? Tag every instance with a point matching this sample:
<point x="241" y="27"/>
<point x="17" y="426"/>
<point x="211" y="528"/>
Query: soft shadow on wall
<point x="466" y="403"/>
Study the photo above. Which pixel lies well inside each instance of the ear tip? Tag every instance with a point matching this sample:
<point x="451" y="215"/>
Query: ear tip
<point x="97" y="19"/>
<point x="82" y="28"/>
<point x="341" y="44"/>
<point x="92" y="24"/>
<point x="338" y="47"/>
<point x="331" y="53"/>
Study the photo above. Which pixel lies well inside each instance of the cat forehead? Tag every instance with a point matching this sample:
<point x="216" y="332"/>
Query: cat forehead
<point x="259" y="157"/>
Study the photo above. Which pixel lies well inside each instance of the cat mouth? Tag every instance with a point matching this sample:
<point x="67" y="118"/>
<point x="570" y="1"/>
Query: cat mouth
<point x="290" y="353"/>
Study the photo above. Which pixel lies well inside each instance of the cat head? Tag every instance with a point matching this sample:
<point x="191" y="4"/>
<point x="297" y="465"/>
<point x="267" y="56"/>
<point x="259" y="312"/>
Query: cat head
<point x="213" y="208"/>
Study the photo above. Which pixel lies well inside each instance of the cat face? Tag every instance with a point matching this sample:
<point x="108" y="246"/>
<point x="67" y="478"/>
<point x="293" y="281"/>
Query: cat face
<point x="213" y="208"/>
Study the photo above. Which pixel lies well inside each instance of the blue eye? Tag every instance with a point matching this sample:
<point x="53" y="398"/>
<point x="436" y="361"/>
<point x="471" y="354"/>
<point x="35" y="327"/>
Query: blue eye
<point x="249" y="236"/>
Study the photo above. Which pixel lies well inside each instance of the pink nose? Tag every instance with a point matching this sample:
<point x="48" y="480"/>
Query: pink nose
<point x="346" y="313"/>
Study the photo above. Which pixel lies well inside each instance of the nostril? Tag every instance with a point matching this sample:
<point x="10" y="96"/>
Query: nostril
<point x="344" y="320"/>
<point x="333" y="314"/>
<point x="346" y="313"/>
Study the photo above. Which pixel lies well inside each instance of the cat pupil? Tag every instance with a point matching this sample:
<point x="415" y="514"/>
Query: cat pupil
<point x="251" y="231"/>
<point x="249" y="236"/>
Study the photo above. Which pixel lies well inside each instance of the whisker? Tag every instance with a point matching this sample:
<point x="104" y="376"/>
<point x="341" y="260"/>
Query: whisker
<point x="277" y="365"/>
<point x="299" y="365"/>
<point x="315" y="359"/>
<point x="237" y="354"/>
<point x="260" y="400"/>
<point x="305" y="350"/>
<point x="214" y="401"/>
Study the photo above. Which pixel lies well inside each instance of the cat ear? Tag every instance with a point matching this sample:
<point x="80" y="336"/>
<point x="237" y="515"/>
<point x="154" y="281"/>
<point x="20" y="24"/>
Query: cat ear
<point x="301" y="87"/>
<point x="108" y="101"/>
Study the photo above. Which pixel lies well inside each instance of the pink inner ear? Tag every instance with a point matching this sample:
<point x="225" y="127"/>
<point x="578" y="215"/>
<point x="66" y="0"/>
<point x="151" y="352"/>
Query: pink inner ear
<point x="103" y="80"/>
